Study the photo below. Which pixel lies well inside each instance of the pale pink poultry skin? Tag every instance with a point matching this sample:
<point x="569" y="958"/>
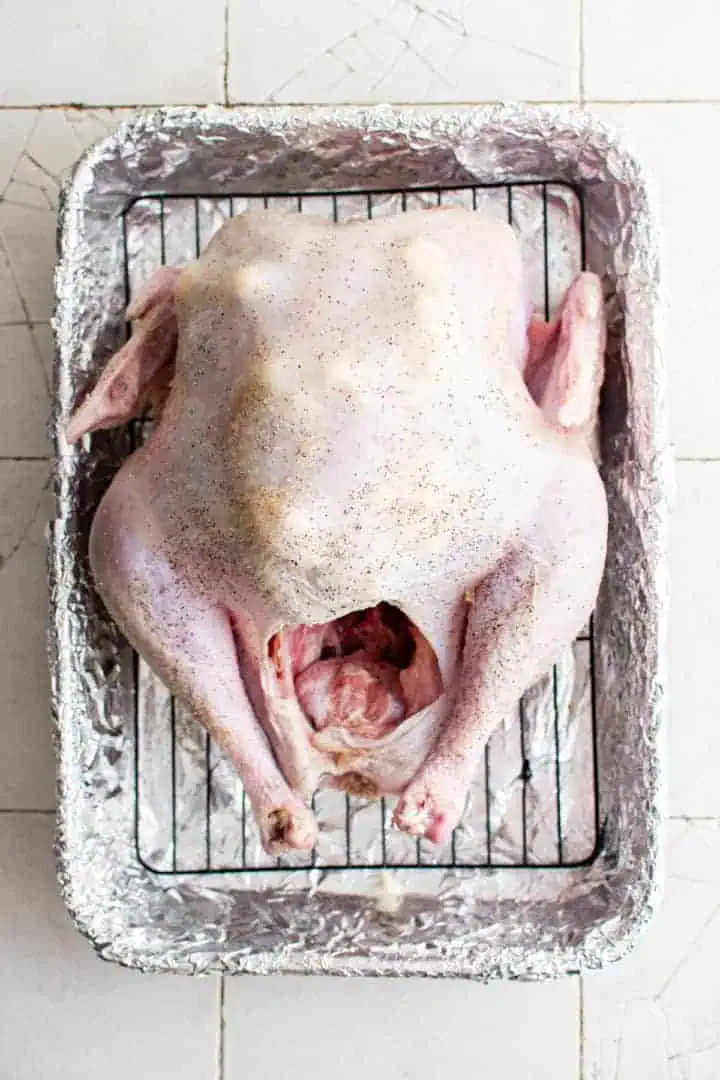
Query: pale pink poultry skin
<point x="355" y="418"/>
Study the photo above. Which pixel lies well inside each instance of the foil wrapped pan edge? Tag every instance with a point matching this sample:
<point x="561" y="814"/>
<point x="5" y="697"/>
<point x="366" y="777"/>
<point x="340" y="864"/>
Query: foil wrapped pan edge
<point x="479" y="924"/>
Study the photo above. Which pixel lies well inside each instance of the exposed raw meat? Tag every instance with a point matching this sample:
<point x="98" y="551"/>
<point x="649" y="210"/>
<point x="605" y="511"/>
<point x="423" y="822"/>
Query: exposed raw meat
<point x="368" y="516"/>
<point x="364" y="673"/>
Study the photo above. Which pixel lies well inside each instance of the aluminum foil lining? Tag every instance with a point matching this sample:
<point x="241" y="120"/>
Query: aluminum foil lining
<point x="139" y="823"/>
<point x="533" y="799"/>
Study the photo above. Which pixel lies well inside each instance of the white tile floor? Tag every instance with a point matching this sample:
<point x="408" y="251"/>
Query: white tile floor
<point x="65" y="1014"/>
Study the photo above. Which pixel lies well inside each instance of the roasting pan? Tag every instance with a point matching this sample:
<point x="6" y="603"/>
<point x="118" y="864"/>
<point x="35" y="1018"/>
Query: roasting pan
<point x="555" y="868"/>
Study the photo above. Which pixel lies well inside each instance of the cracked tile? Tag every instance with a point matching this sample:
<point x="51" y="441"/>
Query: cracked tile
<point x="400" y="1029"/>
<point x="15" y="127"/>
<point x="666" y="139"/>
<point x="28" y="233"/>
<point x="404" y="50"/>
<point x="20" y="193"/>
<point x="655" y="1016"/>
<point x="45" y="346"/>
<point x="11" y="309"/>
<point x="68" y="1014"/>
<point x="24" y="401"/>
<point x="45" y="149"/>
<point x="32" y="184"/>
<point x="26" y="757"/>
<point x="59" y="138"/>
<point x="133" y="53"/>
<point x="92" y="124"/>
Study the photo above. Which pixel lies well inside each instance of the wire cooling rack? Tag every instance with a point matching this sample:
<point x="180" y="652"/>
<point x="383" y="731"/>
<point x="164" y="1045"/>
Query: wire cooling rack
<point x="534" y="801"/>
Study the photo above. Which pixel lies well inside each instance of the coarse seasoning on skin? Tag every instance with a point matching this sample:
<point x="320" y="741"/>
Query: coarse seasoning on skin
<point x="368" y="517"/>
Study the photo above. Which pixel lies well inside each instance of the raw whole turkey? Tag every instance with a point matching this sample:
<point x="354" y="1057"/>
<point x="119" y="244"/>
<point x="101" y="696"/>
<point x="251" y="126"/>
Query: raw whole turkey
<point x="368" y="516"/>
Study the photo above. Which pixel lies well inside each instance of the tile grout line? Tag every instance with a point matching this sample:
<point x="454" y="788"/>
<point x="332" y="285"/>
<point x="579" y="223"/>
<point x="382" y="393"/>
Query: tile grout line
<point x="226" y="54"/>
<point x="689" y="818"/>
<point x="696" y="460"/>
<point x="581" y="52"/>
<point x="75" y="106"/>
<point x="220" y="1061"/>
<point x="581" y="1020"/>
<point x="31" y="323"/>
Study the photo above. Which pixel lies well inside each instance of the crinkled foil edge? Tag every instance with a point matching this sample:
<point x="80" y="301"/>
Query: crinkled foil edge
<point x="191" y="925"/>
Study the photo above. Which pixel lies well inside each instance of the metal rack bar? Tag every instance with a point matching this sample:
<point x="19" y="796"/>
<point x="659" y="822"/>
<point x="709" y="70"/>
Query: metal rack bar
<point x="156" y="202"/>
